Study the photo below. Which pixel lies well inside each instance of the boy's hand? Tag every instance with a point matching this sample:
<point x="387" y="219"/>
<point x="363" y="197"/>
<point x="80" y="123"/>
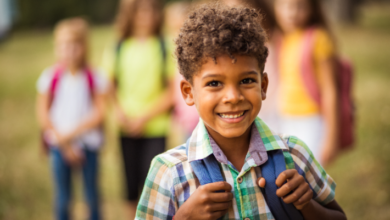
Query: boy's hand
<point x="206" y="203"/>
<point x="296" y="190"/>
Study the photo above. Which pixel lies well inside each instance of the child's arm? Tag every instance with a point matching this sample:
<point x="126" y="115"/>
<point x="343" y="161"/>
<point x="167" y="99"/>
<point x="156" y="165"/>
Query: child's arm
<point x="161" y="105"/>
<point x="329" y="109"/>
<point x="42" y="109"/>
<point x="298" y="192"/>
<point x="46" y="125"/>
<point x="206" y="203"/>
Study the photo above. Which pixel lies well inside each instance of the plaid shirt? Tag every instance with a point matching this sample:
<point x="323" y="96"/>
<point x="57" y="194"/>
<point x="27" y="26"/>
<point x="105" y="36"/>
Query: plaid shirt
<point x="171" y="180"/>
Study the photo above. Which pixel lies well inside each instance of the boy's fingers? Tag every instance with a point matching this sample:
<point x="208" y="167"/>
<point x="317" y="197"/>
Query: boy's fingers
<point x="221" y="206"/>
<point x="297" y="194"/>
<point x="261" y="182"/>
<point x="218" y="186"/>
<point x="305" y="198"/>
<point x="221" y="196"/>
<point x="290" y="186"/>
<point x="284" y="176"/>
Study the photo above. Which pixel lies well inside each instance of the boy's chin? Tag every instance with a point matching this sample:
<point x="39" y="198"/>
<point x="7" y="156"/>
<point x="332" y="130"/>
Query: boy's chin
<point x="232" y="133"/>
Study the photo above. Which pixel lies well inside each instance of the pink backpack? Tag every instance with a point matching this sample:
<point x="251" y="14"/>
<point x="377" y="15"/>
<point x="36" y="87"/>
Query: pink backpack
<point x="344" y="77"/>
<point x="58" y="70"/>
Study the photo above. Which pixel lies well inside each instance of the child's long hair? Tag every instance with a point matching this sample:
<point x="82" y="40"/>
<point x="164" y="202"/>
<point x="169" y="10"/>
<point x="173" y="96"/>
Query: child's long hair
<point x="126" y="14"/>
<point x="268" y="22"/>
<point x="317" y="17"/>
<point x="79" y="28"/>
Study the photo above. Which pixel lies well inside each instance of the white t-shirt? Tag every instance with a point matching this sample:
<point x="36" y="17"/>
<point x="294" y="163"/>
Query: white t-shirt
<point x="72" y="104"/>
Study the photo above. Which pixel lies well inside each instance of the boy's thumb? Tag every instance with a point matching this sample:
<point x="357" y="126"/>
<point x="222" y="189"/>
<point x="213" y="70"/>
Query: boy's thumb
<point x="261" y="182"/>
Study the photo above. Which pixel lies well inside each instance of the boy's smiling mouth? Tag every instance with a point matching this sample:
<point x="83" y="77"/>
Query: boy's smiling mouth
<point x="232" y="116"/>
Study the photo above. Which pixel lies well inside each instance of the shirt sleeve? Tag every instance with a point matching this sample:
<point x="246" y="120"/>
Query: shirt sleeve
<point x="101" y="81"/>
<point x="158" y="198"/>
<point x="323" y="45"/>
<point x="321" y="183"/>
<point x="108" y="61"/>
<point x="44" y="81"/>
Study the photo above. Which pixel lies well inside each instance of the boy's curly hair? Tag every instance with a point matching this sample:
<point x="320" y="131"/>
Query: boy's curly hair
<point x="213" y="30"/>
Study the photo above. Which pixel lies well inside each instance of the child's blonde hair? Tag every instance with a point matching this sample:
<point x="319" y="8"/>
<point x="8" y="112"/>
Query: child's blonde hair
<point x="77" y="27"/>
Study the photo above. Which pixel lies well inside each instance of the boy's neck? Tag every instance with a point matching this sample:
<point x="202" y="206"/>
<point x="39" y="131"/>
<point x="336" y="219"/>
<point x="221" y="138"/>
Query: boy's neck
<point x="235" y="149"/>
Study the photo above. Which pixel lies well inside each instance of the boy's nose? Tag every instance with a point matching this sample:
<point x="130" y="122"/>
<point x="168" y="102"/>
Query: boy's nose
<point x="232" y="95"/>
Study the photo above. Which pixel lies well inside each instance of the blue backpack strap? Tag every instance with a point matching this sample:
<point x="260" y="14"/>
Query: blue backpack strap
<point x="270" y="171"/>
<point x="206" y="170"/>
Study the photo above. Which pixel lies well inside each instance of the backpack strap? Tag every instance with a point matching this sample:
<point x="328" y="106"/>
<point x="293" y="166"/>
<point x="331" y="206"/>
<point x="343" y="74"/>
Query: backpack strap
<point x="116" y="64"/>
<point x="270" y="171"/>
<point x="163" y="48"/>
<point x="91" y="82"/>
<point x="58" y="70"/>
<point x="307" y="68"/>
<point x="208" y="171"/>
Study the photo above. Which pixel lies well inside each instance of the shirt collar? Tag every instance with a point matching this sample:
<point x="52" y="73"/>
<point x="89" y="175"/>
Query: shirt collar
<point x="201" y="144"/>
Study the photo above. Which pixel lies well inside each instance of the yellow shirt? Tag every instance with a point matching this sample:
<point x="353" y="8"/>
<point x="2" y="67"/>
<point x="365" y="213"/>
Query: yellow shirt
<point x="294" y="97"/>
<point x="140" y="79"/>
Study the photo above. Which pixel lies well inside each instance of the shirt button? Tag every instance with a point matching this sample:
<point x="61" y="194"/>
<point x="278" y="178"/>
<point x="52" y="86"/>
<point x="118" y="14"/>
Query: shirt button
<point x="240" y="181"/>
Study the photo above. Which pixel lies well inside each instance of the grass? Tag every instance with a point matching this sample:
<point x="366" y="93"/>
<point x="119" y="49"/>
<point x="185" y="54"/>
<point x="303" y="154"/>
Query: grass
<point x="362" y="175"/>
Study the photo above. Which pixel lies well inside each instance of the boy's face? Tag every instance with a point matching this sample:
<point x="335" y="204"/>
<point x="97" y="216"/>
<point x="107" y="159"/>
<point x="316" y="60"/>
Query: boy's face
<point x="227" y="95"/>
<point x="69" y="50"/>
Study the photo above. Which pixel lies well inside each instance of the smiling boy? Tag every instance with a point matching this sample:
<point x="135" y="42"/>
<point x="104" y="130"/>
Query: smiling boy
<point x="221" y="55"/>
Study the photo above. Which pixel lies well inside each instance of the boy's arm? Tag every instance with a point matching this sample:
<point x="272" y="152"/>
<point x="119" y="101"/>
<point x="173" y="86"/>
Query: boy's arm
<point x="314" y="210"/>
<point x="294" y="189"/>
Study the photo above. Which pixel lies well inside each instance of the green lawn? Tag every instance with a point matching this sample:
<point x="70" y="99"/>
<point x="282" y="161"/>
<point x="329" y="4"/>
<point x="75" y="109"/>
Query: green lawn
<point x="362" y="175"/>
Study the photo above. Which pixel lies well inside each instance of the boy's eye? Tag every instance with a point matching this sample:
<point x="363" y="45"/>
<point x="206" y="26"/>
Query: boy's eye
<point x="247" y="81"/>
<point x="214" y="84"/>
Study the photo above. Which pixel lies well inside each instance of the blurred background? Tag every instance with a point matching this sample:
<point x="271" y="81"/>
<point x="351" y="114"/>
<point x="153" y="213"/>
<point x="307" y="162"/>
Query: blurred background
<point x="362" y="29"/>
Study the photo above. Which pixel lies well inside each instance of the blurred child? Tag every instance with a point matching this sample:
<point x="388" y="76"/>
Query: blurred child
<point x="141" y="69"/>
<point x="301" y="115"/>
<point x="70" y="112"/>
<point x="185" y="117"/>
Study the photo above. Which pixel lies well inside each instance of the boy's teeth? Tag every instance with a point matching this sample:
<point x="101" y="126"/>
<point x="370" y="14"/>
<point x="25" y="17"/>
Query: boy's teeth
<point x="232" y="116"/>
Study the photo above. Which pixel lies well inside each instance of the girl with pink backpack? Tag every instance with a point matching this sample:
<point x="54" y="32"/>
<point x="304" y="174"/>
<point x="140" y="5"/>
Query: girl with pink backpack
<point x="71" y="109"/>
<point x="314" y="101"/>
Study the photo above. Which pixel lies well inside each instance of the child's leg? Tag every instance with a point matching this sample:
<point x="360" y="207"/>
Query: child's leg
<point x="131" y="159"/>
<point x="90" y="177"/>
<point x="151" y="148"/>
<point x="62" y="184"/>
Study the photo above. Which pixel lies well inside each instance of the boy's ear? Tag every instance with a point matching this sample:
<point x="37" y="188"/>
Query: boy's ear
<point x="264" y="85"/>
<point x="186" y="91"/>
